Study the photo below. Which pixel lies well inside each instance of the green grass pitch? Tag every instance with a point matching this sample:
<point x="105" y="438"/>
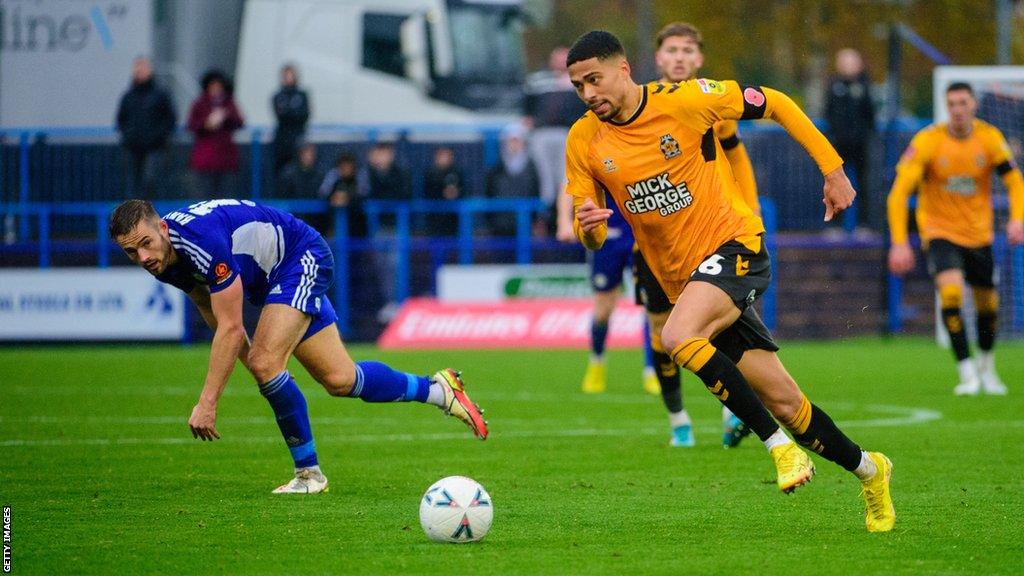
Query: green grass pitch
<point x="102" y="475"/>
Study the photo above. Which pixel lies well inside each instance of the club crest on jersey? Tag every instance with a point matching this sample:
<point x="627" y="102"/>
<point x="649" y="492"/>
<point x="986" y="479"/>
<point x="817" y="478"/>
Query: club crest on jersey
<point x="609" y="165"/>
<point x="657" y="194"/>
<point x="669" y="147"/>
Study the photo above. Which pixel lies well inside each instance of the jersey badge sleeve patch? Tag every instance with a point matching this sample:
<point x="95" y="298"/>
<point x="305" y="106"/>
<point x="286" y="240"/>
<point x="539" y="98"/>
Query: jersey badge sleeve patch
<point x="710" y="86"/>
<point x="221" y="272"/>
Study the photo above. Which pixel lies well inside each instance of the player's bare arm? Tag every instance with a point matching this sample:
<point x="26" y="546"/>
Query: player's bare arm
<point x="200" y="296"/>
<point x="227" y="342"/>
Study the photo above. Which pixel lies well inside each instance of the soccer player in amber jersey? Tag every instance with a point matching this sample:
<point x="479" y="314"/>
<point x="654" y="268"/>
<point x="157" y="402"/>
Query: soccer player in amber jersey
<point x="679" y="55"/>
<point x="705" y="246"/>
<point x="953" y="163"/>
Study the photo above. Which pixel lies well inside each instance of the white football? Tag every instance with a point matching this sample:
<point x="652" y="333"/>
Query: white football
<point x="456" y="509"/>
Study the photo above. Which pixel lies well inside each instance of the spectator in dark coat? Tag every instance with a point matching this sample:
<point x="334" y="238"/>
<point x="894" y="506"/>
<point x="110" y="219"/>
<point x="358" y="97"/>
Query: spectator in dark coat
<point x="514" y="176"/>
<point x="146" y="119"/>
<point x="291" y="107"/>
<point x="212" y="119"/>
<point x="341" y="189"/>
<point x="851" y="118"/>
<point x="444" y="182"/>
<point x="301" y="178"/>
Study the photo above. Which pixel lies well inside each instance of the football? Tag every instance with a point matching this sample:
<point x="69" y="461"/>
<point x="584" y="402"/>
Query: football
<point x="456" y="509"/>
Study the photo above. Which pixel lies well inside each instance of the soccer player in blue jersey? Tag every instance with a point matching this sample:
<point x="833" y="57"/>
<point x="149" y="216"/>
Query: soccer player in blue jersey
<point x="220" y="251"/>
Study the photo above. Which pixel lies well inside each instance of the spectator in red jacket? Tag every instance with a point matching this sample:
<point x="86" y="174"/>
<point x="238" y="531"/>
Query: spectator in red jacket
<point x="212" y="119"/>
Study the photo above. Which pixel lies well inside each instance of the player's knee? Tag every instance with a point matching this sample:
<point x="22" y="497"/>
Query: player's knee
<point x="340" y="381"/>
<point x="672" y="337"/>
<point x="986" y="300"/>
<point x="951" y="296"/>
<point x="263" y="366"/>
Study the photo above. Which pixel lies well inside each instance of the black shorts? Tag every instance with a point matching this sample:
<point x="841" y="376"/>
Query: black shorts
<point x="748" y="332"/>
<point x="741" y="273"/>
<point x="977" y="264"/>
<point x="648" y="292"/>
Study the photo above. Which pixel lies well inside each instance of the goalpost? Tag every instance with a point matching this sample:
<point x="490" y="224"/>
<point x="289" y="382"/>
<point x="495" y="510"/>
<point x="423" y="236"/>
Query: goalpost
<point x="1000" y="94"/>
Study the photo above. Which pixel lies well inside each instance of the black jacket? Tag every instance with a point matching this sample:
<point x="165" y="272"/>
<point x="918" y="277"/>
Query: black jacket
<point x="146" y="117"/>
<point x="291" y="107"/>
<point x="849" y="109"/>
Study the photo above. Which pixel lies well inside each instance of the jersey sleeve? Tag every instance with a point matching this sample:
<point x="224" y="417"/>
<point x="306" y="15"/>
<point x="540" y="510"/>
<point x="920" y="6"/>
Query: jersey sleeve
<point x="210" y="255"/>
<point x="1003" y="162"/>
<point x="727" y="132"/>
<point x="909" y="172"/>
<point x="581" y="185"/>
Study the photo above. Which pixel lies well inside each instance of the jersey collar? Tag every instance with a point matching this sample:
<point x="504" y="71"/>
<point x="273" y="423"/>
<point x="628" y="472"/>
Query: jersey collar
<point x="639" y="109"/>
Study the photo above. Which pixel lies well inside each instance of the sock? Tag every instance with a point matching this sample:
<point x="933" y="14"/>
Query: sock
<point x="777" y="439"/>
<point x="866" y="470"/>
<point x="721" y="376"/>
<point x="668" y="377"/>
<point x="378" y="382"/>
<point x="648" y="350"/>
<point x="677" y="419"/>
<point x="292" y="414"/>
<point x="986" y="303"/>
<point x="951" y="298"/>
<point x="812" y="428"/>
<point x="598" y="337"/>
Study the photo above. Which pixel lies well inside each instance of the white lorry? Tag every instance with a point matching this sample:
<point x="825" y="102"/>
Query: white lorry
<point x="385" y="62"/>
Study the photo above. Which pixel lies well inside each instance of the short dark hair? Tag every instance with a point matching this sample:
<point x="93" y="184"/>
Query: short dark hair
<point x="957" y="86"/>
<point x="128" y="215"/>
<point x="346" y="158"/>
<point x="215" y="75"/>
<point x="594" y="44"/>
<point x="684" y="29"/>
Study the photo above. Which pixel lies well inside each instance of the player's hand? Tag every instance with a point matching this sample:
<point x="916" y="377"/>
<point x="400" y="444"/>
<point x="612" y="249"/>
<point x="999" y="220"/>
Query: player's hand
<point x="839" y="193"/>
<point x="591" y="215"/>
<point x="203" y="422"/>
<point x="901" y="259"/>
<point x="1015" y="232"/>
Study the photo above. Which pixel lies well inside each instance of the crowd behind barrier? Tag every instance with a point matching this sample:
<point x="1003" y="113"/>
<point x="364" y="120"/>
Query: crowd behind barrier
<point x="58" y="186"/>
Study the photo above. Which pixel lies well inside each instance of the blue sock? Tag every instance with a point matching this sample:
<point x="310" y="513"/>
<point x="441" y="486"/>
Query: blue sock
<point x="292" y="417"/>
<point x="378" y="382"/>
<point x="598" y="336"/>
<point x="648" y="349"/>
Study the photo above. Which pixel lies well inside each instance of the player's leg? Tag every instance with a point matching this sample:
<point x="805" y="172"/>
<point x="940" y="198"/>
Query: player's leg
<point x="277" y="334"/>
<point x="814" y="429"/>
<point x="324" y="356"/>
<point x="652" y="297"/>
<point x="945" y="262"/>
<point x="649" y="377"/>
<point x="596" y="378"/>
<point x="979" y="272"/>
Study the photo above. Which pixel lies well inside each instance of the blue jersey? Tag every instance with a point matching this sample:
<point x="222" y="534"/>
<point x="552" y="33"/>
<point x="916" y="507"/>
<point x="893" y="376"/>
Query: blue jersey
<point x="219" y="240"/>
<point x="618" y="230"/>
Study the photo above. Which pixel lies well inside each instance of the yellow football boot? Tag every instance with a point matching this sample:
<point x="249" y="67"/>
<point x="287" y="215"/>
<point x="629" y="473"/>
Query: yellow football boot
<point x="880" y="515"/>
<point x="651" y="384"/>
<point x="596" y="378"/>
<point x="794" y="467"/>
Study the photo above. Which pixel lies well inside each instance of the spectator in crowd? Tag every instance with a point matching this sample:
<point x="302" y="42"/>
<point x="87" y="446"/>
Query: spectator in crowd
<point x="212" y="119"/>
<point x="291" y="107"/>
<point x="444" y="182"/>
<point x="302" y="177"/>
<point x="551" y="108"/>
<point x="146" y="119"/>
<point x="341" y="189"/>
<point x="383" y="179"/>
<point x="514" y="176"/>
<point x="851" y="119"/>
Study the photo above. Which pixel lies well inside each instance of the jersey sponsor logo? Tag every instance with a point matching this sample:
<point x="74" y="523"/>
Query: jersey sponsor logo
<point x="221" y="272"/>
<point x="961" y="185"/>
<point x="753" y="97"/>
<point x="669" y="147"/>
<point x="179" y="217"/>
<point x="657" y="194"/>
<point x="207" y="206"/>
<point x="609" y="165"/>
<point x="710" y="86"/>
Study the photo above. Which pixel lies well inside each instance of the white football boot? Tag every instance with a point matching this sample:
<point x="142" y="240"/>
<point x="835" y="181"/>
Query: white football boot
<point x="990" y="381"/>
<point x="970" y="382"/>
<point x="306" y="481"/>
